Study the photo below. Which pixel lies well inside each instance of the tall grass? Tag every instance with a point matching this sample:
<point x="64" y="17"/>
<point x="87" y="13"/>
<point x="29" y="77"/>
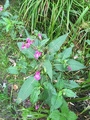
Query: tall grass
<point x="56" y="17"/>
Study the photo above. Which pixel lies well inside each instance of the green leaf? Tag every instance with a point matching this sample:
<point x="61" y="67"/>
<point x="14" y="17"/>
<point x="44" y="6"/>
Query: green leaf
<point x="48" y="92"/>
<point x="6" y="4"/>
<point x="66" y="53"/>
<point x="55" y="115"/>
<point x="60" y="83"/>
<point x="29" y="52"/>
<point x="27" y="89"/>
<point x="70" y="84"/>
<point x="43" y="42"/>
<point x="56" y="102"/>
<point x="88" y="42"/>
<point x="55" y="45"/>
<point x="12" y="70"/>
<point x="59" y="67"/>
<point x="69" y="93"/>
<point x="35" y="94"/>
<point x="72" y="116"/>
<point x="75" y="65"/>
<point x="48" y="67"/>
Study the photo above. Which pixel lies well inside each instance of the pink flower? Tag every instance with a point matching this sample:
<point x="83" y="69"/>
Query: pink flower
<point x="40" y="36"/>
<point x="20" y="35"/>
<point x="23" y="46"/>
<point x="28" y="42"/>
<point x="37" y="75"/>
<point x="36" y="107"/>
<point x="37" y="54"/>
<point x="1" y="8"/>
<point x="69" y="68"/>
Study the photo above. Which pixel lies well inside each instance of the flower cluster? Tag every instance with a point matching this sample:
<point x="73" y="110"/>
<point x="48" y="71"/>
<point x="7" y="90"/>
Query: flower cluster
<point x="36" y="55"/>
<point x="27" y="44"/>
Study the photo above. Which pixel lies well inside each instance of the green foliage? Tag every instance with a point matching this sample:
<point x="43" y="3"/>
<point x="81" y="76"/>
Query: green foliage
<point x="12" y="70"/>
<point x="55" y="83"/>
<point x="48" y="68"/>
<point x="75" y="65"/>
<point x="27" y="89"/>
<point x="55" y="45"/>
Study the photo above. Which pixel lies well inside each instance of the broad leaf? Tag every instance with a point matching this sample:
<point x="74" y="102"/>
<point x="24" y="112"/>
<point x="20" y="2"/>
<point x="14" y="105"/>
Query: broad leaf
<point x="75" y="65"/>
<point x="70" y="84"/>
<point x="43" y="42"/>
<point x="29" y="52"/>
<point x="6" y="4"/>
<point x="55" y="115"/>
<point x="48" y="67"/>
<point x="35" y="94"/>
<point x="69" y="93"/>
<point x="56" y="102"/>
<point x="48" y="92"/>
<point x="88" y="42"/>
<point x="55" y="45"/>
<point x="66" y="53"/>
<point x="27" y="89"/>
<point x="72" y="116"/>
<point x="12" y="70"/>
<point x="59" y="67"/>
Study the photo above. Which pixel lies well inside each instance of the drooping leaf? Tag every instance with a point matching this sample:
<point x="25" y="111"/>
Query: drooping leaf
<point x="69" y="93"/>
<point x="27" y="89"/>
<point x="6" y="5"/>
<point x="55" y="45"/>
<point x="29" y="52"/>
<point x="75" y="65"/>
<point x="48" y="67"/>
<point x="12" y="70"/>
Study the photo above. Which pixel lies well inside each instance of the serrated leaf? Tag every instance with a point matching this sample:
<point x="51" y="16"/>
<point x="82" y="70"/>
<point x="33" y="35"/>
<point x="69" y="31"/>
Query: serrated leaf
<point x="69" y="93"/>
<point x="27" y="89"/>
<point x="48" y="66"/>
<point x="6" y="4"/>
<point x="29" y="52"/>
<point x="66" y="53"/>
<point x="12" y="70"/>
<point x="55" y="45"/>
<point x="43" y="42"/>
<point x="75" y="65"/>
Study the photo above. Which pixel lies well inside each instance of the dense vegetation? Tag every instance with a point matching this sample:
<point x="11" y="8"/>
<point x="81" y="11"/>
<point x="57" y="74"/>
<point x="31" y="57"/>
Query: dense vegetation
<point x="45" y="60"/>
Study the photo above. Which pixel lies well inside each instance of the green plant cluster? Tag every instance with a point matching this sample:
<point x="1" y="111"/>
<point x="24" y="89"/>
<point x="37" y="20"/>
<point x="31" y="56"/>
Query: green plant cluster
<point x="43" y="63"/>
